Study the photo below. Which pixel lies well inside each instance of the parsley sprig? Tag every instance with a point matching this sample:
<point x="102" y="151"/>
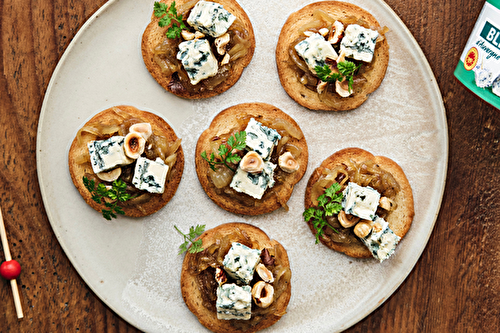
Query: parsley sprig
<point x="236" y="141"/>
<point x="117" y="194"/>
<point x="168" y="16"/>
<point x="347" y="69"/>
<point x="194" y="232"/>
<point x="329" y="203"/>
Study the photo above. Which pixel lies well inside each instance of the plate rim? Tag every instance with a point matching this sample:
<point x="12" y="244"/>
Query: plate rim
<point x="355" y="319"/>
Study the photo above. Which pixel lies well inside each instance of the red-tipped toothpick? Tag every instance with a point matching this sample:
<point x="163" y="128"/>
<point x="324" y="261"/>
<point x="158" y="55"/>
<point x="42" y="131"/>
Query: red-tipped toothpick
<point x="13" y="283"/>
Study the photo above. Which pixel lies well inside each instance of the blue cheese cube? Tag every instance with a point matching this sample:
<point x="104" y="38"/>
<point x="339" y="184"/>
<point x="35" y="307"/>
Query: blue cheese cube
<point x="360" y="201"/>
<point x="234" y="302"/>
<point x="359" y="43"/>
<point x="495" y="87"/>
<point x="261" y="139"/>
<point x="240" y="262"/>
<point x="197" y="59"/>
<point x="315" y="50"/>
<point x="150" y="175"/>
<point x="381" y="241"/>
<point x="483" y="78"/>
<point x="254" y="184"/>
<point x="210" y="18"/>
<point x="107" y="154"/>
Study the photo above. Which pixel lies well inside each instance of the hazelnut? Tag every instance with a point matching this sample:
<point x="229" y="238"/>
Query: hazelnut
<point x="252" y="162"/>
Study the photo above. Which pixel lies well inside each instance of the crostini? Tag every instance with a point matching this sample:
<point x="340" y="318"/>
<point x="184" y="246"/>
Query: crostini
<point x="359" y="204"/>
<point x="239" y="282"/>
<point x="250" y="158"/>
<point x="197" y="49"/>
<point x="331" y="55"/>
<point x="126" y="161"/>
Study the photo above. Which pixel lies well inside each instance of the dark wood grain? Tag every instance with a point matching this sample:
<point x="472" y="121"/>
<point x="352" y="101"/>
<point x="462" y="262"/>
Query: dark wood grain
<point x="454" y="287"/>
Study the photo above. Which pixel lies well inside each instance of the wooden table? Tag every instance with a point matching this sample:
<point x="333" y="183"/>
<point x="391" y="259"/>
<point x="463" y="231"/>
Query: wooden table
<point x="454" y="287"/>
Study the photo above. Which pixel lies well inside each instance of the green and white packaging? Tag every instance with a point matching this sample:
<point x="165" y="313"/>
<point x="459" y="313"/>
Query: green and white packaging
<point x="479" y="65"/>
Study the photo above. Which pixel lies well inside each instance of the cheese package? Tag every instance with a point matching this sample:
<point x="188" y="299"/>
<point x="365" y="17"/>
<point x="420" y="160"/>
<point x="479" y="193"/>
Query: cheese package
<point x="479" y="65"/>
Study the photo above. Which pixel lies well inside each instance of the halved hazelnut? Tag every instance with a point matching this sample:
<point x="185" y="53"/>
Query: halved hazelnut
<point x="264" y="273"/>
<point x="252" y="162"/>
<point x="198" y="34"/>
<point x="287" y="163"/>
<point x="387" y="204"/>
<point x="225" y="60"/>
<point x="111" y="175"/>
<point x="363" y="228"/>
<point x="187" y="35"/>
<point x="347" y="220"/>
<point x="321" y="86"/>
<point x="220" y="276"/>
<point x="337" y="30"/>
<point x="134" y="145"/>
<point x="262" y="294"/>
<point x="377" y="227"/>
<point x="342" y="88"/>
<point x="323" y="31"/>
<point x="221" y="42"/>
<point x="143" y="129"/>
<point x="308" y="33"/>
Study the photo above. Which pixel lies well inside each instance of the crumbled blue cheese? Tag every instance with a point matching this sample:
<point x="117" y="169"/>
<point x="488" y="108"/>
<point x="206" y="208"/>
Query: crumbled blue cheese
<point x="210" y="18"/>
<point x="197" y="59"/>
<point x="261" y="139"/>
<point x="107" y="154"/>
<point x="360" y="201"/>
<point x="315" y="50"/>
<point x="150" y="175"/>
<point x="359" y="43"/>
<point x="254" y="184"/>
<point x="382" y="241"/>
<point x="240" y="262"/>
<point x="495" y="87"/>
<point x="483" y="77"/>
<point x="234" y="302"/>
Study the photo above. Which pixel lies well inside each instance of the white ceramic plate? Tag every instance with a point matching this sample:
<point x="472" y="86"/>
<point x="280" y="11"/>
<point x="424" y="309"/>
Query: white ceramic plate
<point x="132" y="264"/>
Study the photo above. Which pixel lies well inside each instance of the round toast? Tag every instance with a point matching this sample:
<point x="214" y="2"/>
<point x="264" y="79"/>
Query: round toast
<point x="287" y="72"/>
<point x="79" y="170"/>
<point x="191" y="293"/>
<point x="399" y="219"/>
<point x="154" y="34"/>
<point x="223" y="123"/>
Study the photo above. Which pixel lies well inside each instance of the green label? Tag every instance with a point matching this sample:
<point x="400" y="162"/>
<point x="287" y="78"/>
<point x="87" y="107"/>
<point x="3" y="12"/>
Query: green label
<point x="468" y="80"/>
<point x="491" y="34"/>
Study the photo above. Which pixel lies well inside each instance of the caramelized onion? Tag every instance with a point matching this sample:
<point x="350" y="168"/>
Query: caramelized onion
<point x="172" y="147"/>
<point x="296" y="59"/>
<point x="293" y="149"/>
<point x="221" y="177"/>
<point x="313" y="25"/>
<point x="320" y="14"/>
<point x="120" y="113"/>
<point x="283" y="124"/>
<point x="170" y="161"/>
<point x="185" y="7"/>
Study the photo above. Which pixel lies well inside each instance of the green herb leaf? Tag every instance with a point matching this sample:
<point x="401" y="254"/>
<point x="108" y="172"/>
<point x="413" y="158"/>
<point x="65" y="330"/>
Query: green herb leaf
<point x="168" y="16"/>
<point x="226" y="155"/>
<point x="196" y="245"/>
<point x="116" y="194"/>
<point x="329" y="204"/>
<point x="347" y="69"/>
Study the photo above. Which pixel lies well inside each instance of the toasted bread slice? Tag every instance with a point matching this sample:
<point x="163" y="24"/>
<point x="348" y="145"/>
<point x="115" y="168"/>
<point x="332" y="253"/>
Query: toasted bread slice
<point x="399" y="219"/>
<point x="192" y="294"/>
<point x="80" y="167"/>
<point x="226" y="122"/>
<point x="154" y="35"/>
<point x="288" y="72"/>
